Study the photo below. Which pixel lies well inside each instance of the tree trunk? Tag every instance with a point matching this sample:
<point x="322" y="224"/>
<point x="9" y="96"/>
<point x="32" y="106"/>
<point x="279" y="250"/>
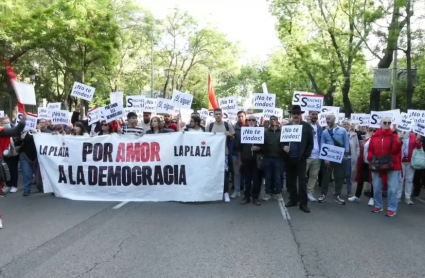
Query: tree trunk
<point x="348" y="109"/>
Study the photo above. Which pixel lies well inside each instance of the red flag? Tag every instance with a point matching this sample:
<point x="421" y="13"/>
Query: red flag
<point x="212" y="103"/>
<point x="12" y="78"/>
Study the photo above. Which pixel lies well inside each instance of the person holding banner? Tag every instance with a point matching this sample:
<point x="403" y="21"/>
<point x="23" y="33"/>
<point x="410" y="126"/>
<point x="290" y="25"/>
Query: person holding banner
<point x="5" y="134"/>
<point x="384" y="156"/>
<point x="247" y="155"/>
<point x="337" y="136"/>
<point x="296" y="155"/>
<point x="156" y="127"/>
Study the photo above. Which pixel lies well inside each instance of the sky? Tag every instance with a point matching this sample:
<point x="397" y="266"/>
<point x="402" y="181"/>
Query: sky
<point x="245" y="21"/>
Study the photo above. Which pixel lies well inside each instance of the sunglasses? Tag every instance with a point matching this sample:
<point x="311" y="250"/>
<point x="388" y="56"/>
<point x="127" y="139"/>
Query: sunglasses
<point x="386" y="123"/>
<point x="252" y="120"/>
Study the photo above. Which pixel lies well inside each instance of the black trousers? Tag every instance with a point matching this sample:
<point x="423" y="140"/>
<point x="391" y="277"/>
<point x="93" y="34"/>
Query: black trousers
<point x="418" y="182"/>
<point x="363" y="178"/>
<point x="12" y="163"/>
<point x="295" y="171"/>
<point x="252" y="182"/>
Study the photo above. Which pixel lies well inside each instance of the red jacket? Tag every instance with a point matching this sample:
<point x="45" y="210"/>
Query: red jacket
<point x="4" y="143"/>
<point x="412" y="145"/>
<point x="360" y="163"/>
<point x="380" y="146"/>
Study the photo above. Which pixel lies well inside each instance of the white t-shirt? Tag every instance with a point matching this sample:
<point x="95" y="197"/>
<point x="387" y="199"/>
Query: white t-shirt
<point x="316" y="152"/>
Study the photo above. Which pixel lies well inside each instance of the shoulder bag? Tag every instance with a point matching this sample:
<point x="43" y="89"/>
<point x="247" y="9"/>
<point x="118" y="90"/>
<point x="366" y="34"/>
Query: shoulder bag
<point x="382" y="164"/>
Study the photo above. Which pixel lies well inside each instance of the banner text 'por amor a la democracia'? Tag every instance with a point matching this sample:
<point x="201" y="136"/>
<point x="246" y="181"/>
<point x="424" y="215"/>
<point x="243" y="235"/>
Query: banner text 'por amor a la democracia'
<point x="184" y="167"/>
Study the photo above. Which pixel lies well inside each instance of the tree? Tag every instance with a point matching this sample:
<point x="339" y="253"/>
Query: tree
<point x="330" y="38"/>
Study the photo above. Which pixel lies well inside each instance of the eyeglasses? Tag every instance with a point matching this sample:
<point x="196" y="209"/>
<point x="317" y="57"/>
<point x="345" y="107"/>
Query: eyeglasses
<point x="252" y="120"/>
<point x="386" y="123"/>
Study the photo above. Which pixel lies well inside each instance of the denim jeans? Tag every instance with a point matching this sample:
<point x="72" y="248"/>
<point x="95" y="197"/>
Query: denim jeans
<point x="236" y="174"/>
<point x="273" y="168"/>
<point x="348" y="175"/>
<point x="27" y="173"/>
<point x="392" y="184"/>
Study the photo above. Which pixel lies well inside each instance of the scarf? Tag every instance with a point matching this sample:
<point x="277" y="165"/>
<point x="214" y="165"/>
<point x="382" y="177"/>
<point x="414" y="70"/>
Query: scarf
<point x="405" y="148"/>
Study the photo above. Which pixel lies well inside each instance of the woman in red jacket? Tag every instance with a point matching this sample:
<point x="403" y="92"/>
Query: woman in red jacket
<point x="384" y="142"/>
<point x="410" y="142"/>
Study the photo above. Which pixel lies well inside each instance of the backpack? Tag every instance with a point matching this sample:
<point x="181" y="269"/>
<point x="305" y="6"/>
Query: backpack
<point x="418" y="159"/>
<point x="226" y="125"/>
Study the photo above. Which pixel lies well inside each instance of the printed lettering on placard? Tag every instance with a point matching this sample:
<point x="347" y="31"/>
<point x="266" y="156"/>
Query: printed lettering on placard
<point x="264" y="101"/>
<point x="135" y="102"/>
<point x="291" y="133"/>
<point x="252" y="135"/>
<point x="331" y="153"/>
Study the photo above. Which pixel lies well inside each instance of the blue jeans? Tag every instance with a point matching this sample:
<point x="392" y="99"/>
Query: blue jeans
<point x="273" y="168"/>
<point x="348" y="175"/>
<point x="392" y="183"/>
<point x="27" y="172"/>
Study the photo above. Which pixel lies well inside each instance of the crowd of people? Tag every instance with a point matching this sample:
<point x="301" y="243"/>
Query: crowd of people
<point x="249" y="167"/>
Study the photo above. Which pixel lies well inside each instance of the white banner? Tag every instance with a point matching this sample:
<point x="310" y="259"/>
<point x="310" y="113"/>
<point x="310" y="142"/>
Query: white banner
<point x="183" y="167"/>
<point x="252" y="135"/>
<point x="331" y="153"/>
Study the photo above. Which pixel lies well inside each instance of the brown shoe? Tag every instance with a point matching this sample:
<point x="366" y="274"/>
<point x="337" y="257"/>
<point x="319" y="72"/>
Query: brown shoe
<point x="245" y="201"/>
<point x="256" y="202"/>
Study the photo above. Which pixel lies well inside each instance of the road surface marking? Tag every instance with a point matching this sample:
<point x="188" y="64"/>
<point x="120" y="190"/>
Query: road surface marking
<point x="284" y="211"/>
<point x="420" y="199"/>
<point x="120" y="205"/>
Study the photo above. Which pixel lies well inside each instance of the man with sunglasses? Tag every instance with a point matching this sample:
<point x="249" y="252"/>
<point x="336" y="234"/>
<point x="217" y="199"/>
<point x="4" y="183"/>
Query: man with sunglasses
<point x="296" y="155"/>
<point x="338" y="137"/>
<point x="273" y="160"/>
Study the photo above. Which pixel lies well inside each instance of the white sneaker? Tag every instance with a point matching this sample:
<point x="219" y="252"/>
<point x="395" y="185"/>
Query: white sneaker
<point x="6" y="190"/>
<point x="1" y="224"/>
<point x="13" y="190"/>
<point x="235" y="194"/>
<point x="354" y="199"/>
<point x="408" y="201"/>
<point x="311" y="197"/>
<point x="279" y="197"/>
<point x="226" y="197"/>
<point x="371" y="202"/>
<point x="267" y="197"/>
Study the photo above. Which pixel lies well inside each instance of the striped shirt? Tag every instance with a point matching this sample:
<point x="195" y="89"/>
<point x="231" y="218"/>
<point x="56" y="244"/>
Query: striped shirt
<point x="133" y="130"/>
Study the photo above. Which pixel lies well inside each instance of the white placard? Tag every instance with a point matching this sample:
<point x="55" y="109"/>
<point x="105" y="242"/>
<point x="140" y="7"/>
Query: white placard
<point x="150" y="105"/>
<point x="228" y="103"/>
<point x="43" y="113"/>
<point x="267" y="113"/>
<point x="182" y="100"/>
<point x="93" y="116"/>
<point x="331" y="109"/>
<point x="116" y="97"/>
<point x="340" y="118"/>
<point x="60" y="117"/>
<point x="355" y="118"/>
<point x="252" y="135"/>
<point x="291" y="133"/>
<point x="418" y="116"/>
<point x="1" y="113"/>
<point x="322" y="118"/>
<point x="25" y="92"/>
<point x="233" y="115"/>
<point x="311" y="102"/>
<point x="135" y="102"/>
<point x="419" y="128"/>
<point x="264" y="86"/>
<point x="278" y="112"/>
<point x="164" y="106"/>
<point x="54" y="106"/>
<point x="297" y="96"/>
<point x="82" y="91"/>
<point x="259" y="118"/>
<point x="113" y="112"/>
<point x="264" y="101"/>
<point x="31" y="122"/>
<point x="204" y="114"/>
<point x="138" y="112"/>
<point x="331" y="153"/>
<point x="382" y="79"/>
<point x="405" y="125"/>
<point x="364" y="120"/>
<point x="376" y="116"/>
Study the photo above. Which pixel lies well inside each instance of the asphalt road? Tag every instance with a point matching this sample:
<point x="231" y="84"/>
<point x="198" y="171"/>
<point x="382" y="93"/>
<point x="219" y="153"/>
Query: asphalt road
<point x="44" y="236"/>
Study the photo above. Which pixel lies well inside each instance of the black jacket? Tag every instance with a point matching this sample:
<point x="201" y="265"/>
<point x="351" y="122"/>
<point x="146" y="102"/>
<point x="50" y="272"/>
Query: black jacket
<point x="272" y="146"/>
<point x="13" y="131"/>
<point x="307" y="141"/>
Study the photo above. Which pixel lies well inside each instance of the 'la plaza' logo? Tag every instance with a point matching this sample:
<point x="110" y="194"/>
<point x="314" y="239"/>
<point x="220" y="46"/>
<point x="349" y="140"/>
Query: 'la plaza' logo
<point x="187" y="150"/>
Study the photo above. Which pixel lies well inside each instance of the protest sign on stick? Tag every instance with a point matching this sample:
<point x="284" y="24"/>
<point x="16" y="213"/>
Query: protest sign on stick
<point x="291" y="133"/>
<point x="331" y="153"/>
<point x="252" y="135"/>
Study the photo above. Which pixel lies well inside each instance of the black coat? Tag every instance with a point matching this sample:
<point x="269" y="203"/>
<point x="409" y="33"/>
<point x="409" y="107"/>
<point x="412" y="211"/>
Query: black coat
<point x="12" y="132"/>
<point x="307" y="141"/>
